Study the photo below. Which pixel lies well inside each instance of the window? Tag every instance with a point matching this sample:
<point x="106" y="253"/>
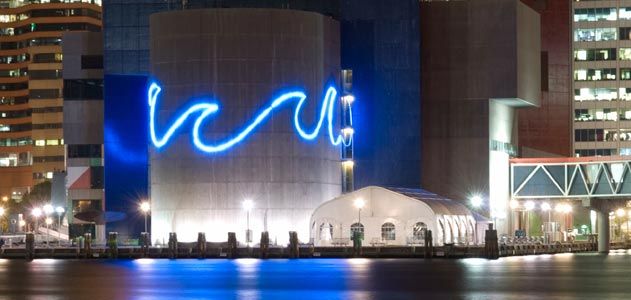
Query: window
<point x="625" y="94"/>
<point x="596" y="114"/>
<point x="84" y="151"/>
<point x="388" y="232"/>
<point x="44" y="93"/>
<point x="45" y="74"/>
<point x="595" y="152"/>
<point x="419" y="230"/>
<point x="357" y="227"/>
<point x="595" y="34"/>
<point x="45" y="159"/>
<point x="47" y="126"/>
<point x="595" y="74"/>
<point x="589" y="135"/>
<point x="595" y="14"/>
<point x="83" y="89"/>
<point x="326" y="232"/>
<point x="591" y="94"/>
<point x="625" y="151"/>
<point x="625" y="33"/>
<point x="625" y="74"/>
<point x="625" y="53"/>
<point x="91" y="61"/>
<point x="23" y="141"/>
<point x="47" y="57"/>
<point x="52" y="142"/>
<point x="15" y="159"/>
<point x="624" y="13"/>
<point x="40" y="143"/>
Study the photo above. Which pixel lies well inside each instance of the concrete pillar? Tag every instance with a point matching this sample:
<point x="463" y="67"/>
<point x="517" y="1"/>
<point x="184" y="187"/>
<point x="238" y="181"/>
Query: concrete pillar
<point x="357" y="243"/>
<point x="603" y="231"/>
<point x="429" y="244"/>
<point x="491" y="246"/>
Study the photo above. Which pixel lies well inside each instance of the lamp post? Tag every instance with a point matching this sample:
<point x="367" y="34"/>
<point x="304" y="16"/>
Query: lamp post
<point x="529" y="205"/>
<point x="247" y="206"/>
<point x="545" y="206"/>
<point x="359" y="204"/>
<point x="48" y="221"/>
<point x="1" y="214"/>
<point x="60" y="211"/>
<point x="145" y="207"/>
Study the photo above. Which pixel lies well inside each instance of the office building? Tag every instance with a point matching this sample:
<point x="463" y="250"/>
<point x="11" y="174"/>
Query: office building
<point x="31" y="85"/>
<point x="601" y="77"/>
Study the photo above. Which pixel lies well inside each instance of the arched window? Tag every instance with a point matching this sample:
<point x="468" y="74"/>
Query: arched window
<point x="326" y="232"/>
<point x="357" y="227"/>
<point x="388" y="232"/>
<point x="418" y="231"/>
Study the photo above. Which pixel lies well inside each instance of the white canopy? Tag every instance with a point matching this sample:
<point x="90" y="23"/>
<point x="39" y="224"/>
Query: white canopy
<point x="394" y="216"/>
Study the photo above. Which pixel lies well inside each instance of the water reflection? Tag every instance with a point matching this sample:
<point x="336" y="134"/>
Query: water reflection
<point x="587" y="276"/>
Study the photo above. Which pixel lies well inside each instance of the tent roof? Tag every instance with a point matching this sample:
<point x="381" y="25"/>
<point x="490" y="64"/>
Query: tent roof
<point x="439" y="204"/>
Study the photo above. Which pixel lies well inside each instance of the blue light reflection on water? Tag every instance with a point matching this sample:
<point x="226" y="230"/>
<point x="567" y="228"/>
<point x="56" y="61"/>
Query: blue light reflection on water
<point x="247" y="278"/>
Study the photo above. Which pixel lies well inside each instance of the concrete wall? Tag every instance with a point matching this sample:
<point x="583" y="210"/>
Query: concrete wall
<point x="242" y="58"/>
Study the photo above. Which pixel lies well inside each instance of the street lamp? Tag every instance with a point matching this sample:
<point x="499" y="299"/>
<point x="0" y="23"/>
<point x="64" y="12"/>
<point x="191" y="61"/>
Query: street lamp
<point x="545" y="206"/>
<point x="5" y="198"/>
<point x="248" y="205"/>
<point x="145" y="207"/>
<point x="60" y="211"/>
<point x="48" y="209"/>
<point x="476" y="201"/>
<point x="36" y="212"/>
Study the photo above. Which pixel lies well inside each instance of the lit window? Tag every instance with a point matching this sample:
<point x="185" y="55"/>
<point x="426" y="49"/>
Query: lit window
<point x="326" y="232"/>
<point x="40" y="142"/>
<point x="49" y="175"/>
<point x="52" y="142"/>
<point x="388" y="232"/>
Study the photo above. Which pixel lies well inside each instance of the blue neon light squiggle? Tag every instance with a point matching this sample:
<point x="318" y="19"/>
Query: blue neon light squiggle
<point x="206" y="109"/>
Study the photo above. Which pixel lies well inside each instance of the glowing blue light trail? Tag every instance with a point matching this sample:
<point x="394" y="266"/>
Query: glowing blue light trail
<point x="204" y="109"/>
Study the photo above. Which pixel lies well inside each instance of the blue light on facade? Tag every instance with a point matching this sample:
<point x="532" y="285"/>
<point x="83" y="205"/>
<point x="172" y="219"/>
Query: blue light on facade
<point x="205" y="108"/>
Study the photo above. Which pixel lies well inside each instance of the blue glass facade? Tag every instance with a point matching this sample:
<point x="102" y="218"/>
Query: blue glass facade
<point x="381" y="44"/>
<point x="126" y="25"/>
<point x="126" y="143"/>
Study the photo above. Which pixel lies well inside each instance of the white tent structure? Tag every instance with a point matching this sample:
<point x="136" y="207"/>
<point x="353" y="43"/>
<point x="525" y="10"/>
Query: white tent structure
<point x="395" y="216"/>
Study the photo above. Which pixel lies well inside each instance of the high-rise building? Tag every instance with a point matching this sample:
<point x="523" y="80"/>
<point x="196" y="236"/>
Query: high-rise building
<point x="602" y="77"/>
<point x="31" y="85"/>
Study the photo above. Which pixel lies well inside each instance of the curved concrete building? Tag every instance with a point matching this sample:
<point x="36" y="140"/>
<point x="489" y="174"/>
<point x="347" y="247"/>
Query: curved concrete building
<point x="241" y="60"/>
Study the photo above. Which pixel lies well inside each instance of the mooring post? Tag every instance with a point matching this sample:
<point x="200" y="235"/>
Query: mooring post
<point x="232" y="245"/>
<point x="264" y="248"/>
<point x="173" y="245"/>
<point x="429" y="244"/>
<point x="491" y="246"/>
<point x="30" y="246"/>
<point x="201" y="245"/>
<point x="112" y="243"/>
<point x="87" y="245"/>
<point x="294" y="250"/>
<point x="145" y="241"/>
